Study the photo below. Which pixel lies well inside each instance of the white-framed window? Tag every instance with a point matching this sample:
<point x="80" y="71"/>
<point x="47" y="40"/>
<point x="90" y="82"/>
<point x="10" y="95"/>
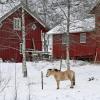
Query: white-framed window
<point x="82" y="37"/>
<point x="17" y="24"/>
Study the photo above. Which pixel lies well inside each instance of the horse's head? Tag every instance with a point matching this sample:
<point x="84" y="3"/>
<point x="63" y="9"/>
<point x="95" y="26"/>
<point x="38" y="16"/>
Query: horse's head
<point x="49" y="72"/>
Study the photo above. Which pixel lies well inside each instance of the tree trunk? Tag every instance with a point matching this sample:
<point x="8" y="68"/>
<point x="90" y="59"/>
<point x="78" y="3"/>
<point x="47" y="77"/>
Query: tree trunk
<point x="24" y="68"/>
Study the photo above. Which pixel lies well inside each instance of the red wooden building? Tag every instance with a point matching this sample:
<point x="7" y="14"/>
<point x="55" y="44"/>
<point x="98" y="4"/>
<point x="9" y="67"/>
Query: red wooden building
<point x="11" y="33"/>
<point x="96" y="12"/>
<point x="82" y="40"/>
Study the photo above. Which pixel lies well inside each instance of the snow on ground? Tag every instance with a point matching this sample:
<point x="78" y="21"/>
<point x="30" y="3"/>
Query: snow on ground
<point x="30" y="88"/>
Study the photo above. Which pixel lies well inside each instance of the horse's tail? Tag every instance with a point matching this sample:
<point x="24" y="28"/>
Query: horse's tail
<point x="73" y="79"/>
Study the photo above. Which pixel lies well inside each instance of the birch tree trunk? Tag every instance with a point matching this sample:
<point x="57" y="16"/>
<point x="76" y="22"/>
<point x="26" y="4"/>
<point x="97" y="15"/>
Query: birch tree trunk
<point x="67" y="35"/>
<point x="24" y="68"/>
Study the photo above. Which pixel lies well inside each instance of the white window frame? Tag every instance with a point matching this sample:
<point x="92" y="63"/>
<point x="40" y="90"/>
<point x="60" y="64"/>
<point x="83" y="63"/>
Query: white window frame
<point x="82" y="37"/>
<point x="17" y="24"/>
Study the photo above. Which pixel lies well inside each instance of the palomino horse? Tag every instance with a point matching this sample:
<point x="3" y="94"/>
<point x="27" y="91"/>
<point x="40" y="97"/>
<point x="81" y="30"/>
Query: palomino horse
<point x="62" y="75"/>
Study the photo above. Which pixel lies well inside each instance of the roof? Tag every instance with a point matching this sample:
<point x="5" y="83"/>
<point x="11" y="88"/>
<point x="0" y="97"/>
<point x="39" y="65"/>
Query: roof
<point x="14" y="8"/>
<point x="75" y="26"/>
<point x="95" y="7"/>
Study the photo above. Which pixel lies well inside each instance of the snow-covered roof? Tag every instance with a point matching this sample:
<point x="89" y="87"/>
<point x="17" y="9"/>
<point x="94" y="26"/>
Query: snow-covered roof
<point x="5" y="8"/>
<point x="97" y="4"/>
<point x="75" y="26"/>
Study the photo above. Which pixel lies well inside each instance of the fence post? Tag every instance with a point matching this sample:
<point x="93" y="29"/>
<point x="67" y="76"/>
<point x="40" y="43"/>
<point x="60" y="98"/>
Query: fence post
<point x="42" y="79"/>
<point x="60" y="63"/>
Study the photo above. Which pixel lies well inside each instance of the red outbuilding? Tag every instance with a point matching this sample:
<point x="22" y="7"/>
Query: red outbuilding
<point x="11" y="32"/>
<point x="82" y="40"/>
<point x="96" y="12"/>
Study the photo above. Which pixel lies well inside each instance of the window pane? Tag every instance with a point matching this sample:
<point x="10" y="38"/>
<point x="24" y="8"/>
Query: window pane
<point x="17" y="24"/>
<point x="83" y="38"/>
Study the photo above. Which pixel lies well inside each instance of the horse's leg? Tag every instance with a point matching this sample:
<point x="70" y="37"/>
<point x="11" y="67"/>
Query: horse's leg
<point x="71" y="84"/>
<point x="72" y="81"/>
<point x="57" y="84"/>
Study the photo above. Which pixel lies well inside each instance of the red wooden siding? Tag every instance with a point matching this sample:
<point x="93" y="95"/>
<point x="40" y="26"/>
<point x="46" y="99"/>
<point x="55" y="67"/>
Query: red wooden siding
<point x="77" y="49"/>
<point x="10" y="41"/>
<point x="97" y="18"/>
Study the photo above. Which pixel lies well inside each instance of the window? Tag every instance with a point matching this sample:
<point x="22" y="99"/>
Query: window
<point x="33" y="26"/>
<point x="83" y="38"/>
<point x="17" y="24"/>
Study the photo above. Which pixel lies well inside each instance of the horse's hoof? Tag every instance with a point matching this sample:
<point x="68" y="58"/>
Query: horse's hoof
<point x="89" y="79"/>
<point x="57" y="88"/>
<point x="71" y="87"/>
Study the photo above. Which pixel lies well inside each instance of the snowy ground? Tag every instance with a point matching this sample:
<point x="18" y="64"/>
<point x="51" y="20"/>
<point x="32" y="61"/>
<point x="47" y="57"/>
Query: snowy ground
<point x="30" y="88"/>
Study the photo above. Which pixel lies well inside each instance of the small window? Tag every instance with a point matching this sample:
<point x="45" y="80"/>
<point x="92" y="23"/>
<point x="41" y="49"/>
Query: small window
<point x="33" y="26"/>
<point x="17" y="24"/>
<point x="83" y="38"/>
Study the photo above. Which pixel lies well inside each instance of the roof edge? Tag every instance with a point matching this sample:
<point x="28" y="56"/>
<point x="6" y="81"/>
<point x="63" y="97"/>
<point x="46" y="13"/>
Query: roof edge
<point x="95" y="7"/>
<point x="27" y="10"/>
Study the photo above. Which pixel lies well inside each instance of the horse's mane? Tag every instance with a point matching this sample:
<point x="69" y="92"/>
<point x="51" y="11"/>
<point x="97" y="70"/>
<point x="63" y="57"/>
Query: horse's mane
<point x="49" y="69"/>
<point x="57" y="70"/>
<point x="54" y="70"/>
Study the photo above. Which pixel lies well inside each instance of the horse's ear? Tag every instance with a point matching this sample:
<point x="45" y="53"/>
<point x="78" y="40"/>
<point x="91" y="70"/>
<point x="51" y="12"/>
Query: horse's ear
<point x="56" y="70"/>
<point x="50" y="69"/>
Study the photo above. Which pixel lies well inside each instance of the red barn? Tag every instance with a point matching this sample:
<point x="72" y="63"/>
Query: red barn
<point x="96" y="12"/>
<point x="11" y="35"/>
<point x="82" y="40"/>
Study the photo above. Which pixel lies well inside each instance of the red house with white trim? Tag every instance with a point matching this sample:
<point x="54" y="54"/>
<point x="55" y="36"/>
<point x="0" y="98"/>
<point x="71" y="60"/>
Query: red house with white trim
<point x="82" y="40"/>
<point x="96" y="11"/>
<point x="11" y="33"/>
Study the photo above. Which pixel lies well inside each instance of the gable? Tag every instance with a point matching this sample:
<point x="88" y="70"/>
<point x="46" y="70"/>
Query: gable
<point x="33" y="14"/>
